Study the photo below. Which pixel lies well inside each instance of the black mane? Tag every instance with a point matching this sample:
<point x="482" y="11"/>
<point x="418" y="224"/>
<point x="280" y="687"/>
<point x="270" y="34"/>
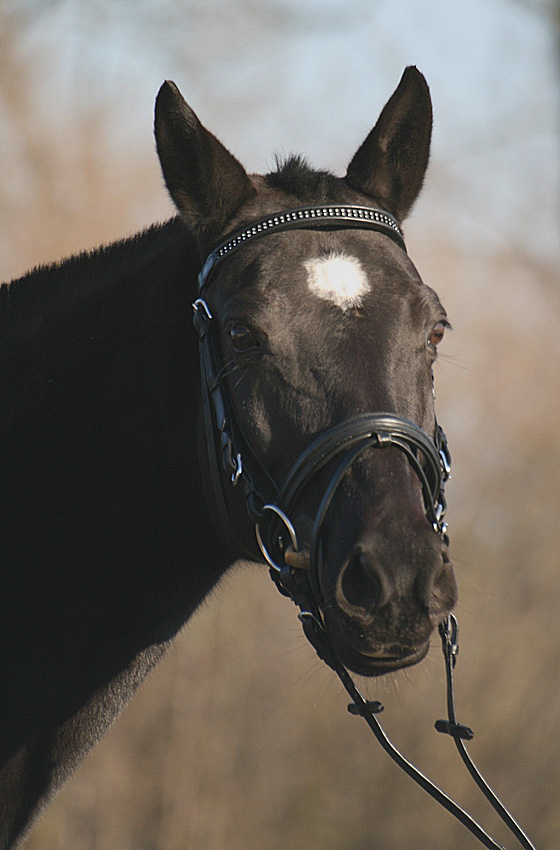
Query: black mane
<point x="295" y="176"/>
<point x="45" y="288"/>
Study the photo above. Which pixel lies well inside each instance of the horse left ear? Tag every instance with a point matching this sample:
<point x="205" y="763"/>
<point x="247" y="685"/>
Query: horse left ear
<point x="391" y="163"/>
<point x="205" y="181"/>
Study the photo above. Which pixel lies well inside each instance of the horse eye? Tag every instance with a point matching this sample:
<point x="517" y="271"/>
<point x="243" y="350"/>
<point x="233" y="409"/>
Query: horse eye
<point x="436" y="334"/>
<point x="242" y="339"/>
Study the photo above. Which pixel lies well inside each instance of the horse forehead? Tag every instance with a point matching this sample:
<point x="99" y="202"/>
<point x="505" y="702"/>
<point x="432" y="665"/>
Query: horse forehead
<point x="292" y="273"/>
<point x="339" y="278"/>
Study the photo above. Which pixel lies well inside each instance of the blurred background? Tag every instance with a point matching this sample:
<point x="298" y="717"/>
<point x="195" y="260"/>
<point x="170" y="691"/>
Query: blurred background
<point x="241" y="739"/>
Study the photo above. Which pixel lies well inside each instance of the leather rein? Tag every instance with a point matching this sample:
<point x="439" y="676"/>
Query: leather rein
<point x="270" y="507"/>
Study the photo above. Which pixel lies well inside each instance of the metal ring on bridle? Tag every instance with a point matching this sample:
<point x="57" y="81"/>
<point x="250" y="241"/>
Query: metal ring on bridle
<point x="291" y="531"/>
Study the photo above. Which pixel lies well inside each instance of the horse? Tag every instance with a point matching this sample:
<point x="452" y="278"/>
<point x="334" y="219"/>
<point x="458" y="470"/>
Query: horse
<point x="140" y="452"/>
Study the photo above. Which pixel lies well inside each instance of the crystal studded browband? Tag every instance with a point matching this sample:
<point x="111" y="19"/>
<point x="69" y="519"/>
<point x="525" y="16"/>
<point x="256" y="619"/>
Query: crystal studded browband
<point x="330" y="215"/>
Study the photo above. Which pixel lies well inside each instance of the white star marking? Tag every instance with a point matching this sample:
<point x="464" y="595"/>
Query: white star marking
<point x="339" y="279"/>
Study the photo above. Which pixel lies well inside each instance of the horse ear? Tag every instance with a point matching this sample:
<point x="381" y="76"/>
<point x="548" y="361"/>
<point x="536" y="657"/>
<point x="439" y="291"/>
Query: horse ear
<point x="205" y="181"/>
<point x="391" y="163"/>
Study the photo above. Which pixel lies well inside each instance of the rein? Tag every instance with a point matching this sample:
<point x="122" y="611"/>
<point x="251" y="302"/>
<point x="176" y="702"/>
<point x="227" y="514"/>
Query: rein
<point x="294" y="568"/>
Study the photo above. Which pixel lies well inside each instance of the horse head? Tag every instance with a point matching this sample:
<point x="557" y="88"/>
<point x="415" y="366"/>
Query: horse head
<point x="319" y="326"/>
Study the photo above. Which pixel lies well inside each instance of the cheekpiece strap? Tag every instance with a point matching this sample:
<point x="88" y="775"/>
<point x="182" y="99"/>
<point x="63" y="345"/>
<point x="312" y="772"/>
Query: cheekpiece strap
<point x="314" y="217"/>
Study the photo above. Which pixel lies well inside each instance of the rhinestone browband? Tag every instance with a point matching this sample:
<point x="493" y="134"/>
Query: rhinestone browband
<point x="305" y="217"/>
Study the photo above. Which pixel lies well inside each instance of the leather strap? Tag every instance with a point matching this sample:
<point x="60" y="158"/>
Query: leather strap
<point x="328" y="216"/>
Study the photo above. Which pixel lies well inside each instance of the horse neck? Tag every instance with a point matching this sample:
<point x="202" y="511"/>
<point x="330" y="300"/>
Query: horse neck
<point x="105" y="539"/>
<point x="69" y="329"/>
<point x="101" y="385"/>
<point x="150" y="268"/>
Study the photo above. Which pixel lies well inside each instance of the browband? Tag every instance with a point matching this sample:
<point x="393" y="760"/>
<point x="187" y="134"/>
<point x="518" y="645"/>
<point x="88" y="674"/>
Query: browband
<point x="314" y="217"/>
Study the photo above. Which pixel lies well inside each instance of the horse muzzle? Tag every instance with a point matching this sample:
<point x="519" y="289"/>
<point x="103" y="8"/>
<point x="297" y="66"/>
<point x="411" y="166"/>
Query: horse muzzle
<point x="380" y="602"/>
<point x="380" y="611"/>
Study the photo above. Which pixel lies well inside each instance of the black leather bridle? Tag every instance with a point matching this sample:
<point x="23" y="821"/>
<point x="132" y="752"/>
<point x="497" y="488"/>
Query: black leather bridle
<point x="270" y="507"/>
<point x="428" y="456"/>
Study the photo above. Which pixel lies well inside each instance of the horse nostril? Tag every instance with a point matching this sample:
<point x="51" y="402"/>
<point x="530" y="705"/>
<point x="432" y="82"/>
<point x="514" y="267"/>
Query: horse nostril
<point x="440" y="595"/>
<point x="359" y="585"/>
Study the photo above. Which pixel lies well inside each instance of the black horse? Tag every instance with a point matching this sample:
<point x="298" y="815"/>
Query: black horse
<point x="117" y="514"/>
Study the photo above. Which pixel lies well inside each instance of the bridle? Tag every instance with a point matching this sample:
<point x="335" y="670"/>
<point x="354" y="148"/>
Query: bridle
<point x="270" y="507"/>
<point x="268" y="502"/>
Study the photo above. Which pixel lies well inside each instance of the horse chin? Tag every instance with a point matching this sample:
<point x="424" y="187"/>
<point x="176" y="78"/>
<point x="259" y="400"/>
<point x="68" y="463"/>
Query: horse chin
<point x="380" y="665"/>
<point x="375" y="662"/>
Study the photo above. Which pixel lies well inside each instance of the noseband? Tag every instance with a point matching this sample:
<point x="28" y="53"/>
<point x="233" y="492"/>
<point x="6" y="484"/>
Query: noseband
<point x="270" y="507"/>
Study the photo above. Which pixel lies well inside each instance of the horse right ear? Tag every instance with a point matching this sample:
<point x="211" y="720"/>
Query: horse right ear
<point x="205" y="181"/>
<point x="391" y="164"/>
